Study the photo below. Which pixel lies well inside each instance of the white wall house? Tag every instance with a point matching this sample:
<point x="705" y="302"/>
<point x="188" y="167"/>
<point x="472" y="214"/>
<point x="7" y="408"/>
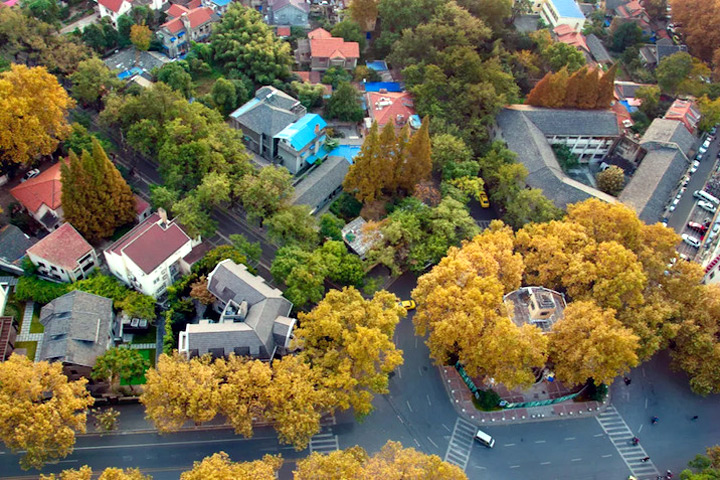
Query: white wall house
<point x="115" y="8"/>
<point x="560" y="12"/>
<point x="149" y="257"/>
<point x="64" y="255"/>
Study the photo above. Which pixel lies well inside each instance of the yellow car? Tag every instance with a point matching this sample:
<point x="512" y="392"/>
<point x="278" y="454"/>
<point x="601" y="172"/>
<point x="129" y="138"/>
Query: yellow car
<point x="484" y="200"/>
<point x="408" y="304"/>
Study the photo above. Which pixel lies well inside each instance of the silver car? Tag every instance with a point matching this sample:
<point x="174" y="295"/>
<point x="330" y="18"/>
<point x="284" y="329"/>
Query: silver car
<point x="705" y="205"/>
<point x="690" y="240"/>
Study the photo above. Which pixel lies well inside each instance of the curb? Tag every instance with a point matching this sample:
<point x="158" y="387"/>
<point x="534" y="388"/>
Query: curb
<point x="531" y="419"/>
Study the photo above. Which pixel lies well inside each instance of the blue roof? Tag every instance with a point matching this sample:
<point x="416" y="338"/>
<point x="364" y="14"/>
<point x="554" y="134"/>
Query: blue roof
<point x="302" y="132"/>
<point x="568" y="9"/>
<point x="377" y="65"/>
<point x="388" y="86"/>
<point x="245" y="108"/>
<point x="129" y="73"/>
<point x="221" y="3"/>
<point x="347" y="151"/>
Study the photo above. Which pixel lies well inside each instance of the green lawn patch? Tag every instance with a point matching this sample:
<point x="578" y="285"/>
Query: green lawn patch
<point x="148" y="337"/>
<point x="31" y="348"/>
<point x="148" y="354"/>
<point x="36" y="326"/>
<point x="203" y="84"/>
<point x="13" y="308"/>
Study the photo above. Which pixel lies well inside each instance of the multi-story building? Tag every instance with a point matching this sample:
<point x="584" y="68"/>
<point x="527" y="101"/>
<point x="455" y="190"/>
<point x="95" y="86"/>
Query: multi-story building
<point x="560" y="12"/>
<point x="288" y="12"/>
<point x="321" y="51"/>
<point x="64" y="255"/>
<point x="41" y="197"/>
<point x="150" y="257"/>
<point x="184" y="27"/>
<point x="115" y="8"/>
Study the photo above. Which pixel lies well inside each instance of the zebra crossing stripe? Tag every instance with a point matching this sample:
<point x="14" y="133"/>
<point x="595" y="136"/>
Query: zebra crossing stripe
<point x="461" y="443"/>
<point x="619" y="435"/>
<point x="324" y="443"/>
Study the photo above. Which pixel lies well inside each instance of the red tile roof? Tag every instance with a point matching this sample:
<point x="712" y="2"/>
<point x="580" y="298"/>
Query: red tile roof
<point x="311" y="77"/>
<point x="685" y="111"/>
<point x="45" y="188"/>
<point x="8" y="333"/>
<point x="333" y="48"/>
<point x="319" y="33"/>
<point x="62" y="248"/>
<point x="148" y="245"/>
<point x="112" y="5"/>
<point x="176" y="10"/>
<point x="566" y="34"/>
<point x="385" y="107"/>
<point x="283" y="31"/>
<point x="140" y="205"/>
<point x="194" y="4"/>
<point x="196" y="17"/>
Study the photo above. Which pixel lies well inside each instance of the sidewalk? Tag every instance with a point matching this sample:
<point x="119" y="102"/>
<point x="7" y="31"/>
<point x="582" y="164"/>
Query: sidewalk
<point x="25" y="335"/>
<point x="461" y="398"/>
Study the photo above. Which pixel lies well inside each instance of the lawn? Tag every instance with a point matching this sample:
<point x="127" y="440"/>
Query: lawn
<point x="148" y="354"/>
<point x="35" y="325"/>
<point x="13" y="308"/>
<point x="148" y="337"/>
<point x="31" y="347"/>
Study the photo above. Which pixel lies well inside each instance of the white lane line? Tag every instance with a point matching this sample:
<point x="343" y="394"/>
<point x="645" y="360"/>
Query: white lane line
<point x="416" y="442"/>
<point x="431" y="441"/>
<point x="576" y="460"/>
<point x="429" y="402"/>
<point x="646" y="402"/>
<point x="599" y="435"/>
<point x="545" y="463"/>
<point x="509" y="445"/>
<point x="399" y="372"/>
<point x="540" y="441"/>
<point x="607" y="456"/>
<point x="408" y="404"/>
<point x="569" y="438"/>
<point x="514" y="466"/>
<point x="401" y="420"/>
<point x="640" y="429"/>
<point x="446" y="427"/>
<point x="420" y="370"/>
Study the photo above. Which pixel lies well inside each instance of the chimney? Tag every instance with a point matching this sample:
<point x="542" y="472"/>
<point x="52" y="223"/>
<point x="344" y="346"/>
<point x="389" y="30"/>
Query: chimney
<point x="185" y="22"/>
<point x="163" y="217"/>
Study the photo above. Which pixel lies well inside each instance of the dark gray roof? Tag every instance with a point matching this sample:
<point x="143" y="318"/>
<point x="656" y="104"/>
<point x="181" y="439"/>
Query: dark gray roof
<point x="597" y="49"/>
<point x="586" y="8"/>
<point x="282" y="329"/>
<point x="571" y="122"/>
<point x="662" y="51"/>
<point x="613" y="4"/>
<point x="533" y="150"/>
<point x="78" y="328"/>
<point x="269" y="112"/>
<point x="13" y="243"/>
<point x="652" y="184"/>
<point x="663" y="131"/>
<point x="314" y="188"/>
<point x="526" y="23"/>
<point x="232" y="282"/>
<point x="627" y="89"/>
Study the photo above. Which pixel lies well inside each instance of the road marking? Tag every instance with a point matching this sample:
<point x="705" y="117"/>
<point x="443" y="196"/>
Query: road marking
<point x="646" y="401"/>
<point x="399" y="372"/>
<point x="569" y="438"/>
<point x="599" y="435"/>
<point x="416" y="442"/>
<point x="68" y="461"/>
<point x="620" y="438"/>
<point x="446" y="427"/>
<point x="576" y="460"/>
<point x="539" y="441"/>
<point x="545" y="463"/>
<point x="401" y="420"/>
<point x="607" y="456"/>
<point x="408" y="404"/>
<point x="461" y="443"/>
<point x="324" y="443"/>
<point x="429" y="402"/>
<point x="509" y="445"/>
<point x="514" y="466"/>
<point x="431" y="441"/>
<point x="420" y="370"/>
<point x="640" y="429"/>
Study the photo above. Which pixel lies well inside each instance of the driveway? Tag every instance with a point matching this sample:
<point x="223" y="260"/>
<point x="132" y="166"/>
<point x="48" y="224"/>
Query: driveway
<point x="81" y="24"/>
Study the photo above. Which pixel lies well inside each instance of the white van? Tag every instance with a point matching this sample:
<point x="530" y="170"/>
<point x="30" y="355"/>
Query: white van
<point x="703" y="195"/>
<point x="485" y="439"/>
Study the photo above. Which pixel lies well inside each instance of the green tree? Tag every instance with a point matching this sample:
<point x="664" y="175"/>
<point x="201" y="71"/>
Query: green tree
<point x="626" y="35"/>
<point x="210" y="260"/>
<point x="195" y="217"/>
<point x="530" y="206"/>
<point x="448" y="149"/>
<point x="163" y="197"/>
<point x="673" y="70"/>
<point x="140" y="36"/>
<point x="80" y="139"/>
<point x="365" y="13"/>
<point x="93" y="80"/>
<point x="265" y="192"/>
<point x="331" y="226"/>
<point x="335" y="76"/>
<point x="559" y="55"/>
<point x="44" y="10"/>
<point x="344" y="104"/>
<point x="310" y="95"/>
<point x="649" y="95"/>
<point x="293" y="225"/>
<point x="95" y="197"/>
<point x="252" y="250"/>
<point x="117" y="363"/>
<point x="243" y="42"/>
<point x="224" y="95"/>
<point x="350" y="31"/>
<point x="365" y="180"/>
<point x="177" y="76"/>
<point x="611" y="180"/>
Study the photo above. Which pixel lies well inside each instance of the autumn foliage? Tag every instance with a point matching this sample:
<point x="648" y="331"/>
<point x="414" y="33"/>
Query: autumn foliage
<point x="585" y="89"/>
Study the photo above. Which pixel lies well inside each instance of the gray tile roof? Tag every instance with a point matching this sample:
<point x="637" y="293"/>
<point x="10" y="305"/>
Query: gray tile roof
<point x="266" y="306"/>
<point x="663" y="131"/>
<point x="78" y="328"/>
<point x="652" y="184"/>
<point x="553" y="121"/>
<point x="597" y="49"/>
<point x="533" y="150"/>
<point x="662" y="51"/>
<point x="269" y="112"/>
<point x="13" y="243"/>
<point x="586" y="8"/>
<point x="627" y="89"/>
<point x="613" y="4"/>
<point x="321" y="182"/>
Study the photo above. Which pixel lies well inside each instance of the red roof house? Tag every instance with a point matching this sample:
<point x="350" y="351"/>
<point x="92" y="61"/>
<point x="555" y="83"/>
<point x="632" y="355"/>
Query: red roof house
<point x="390" y="107"/>
<point x="63" y="255"/>
<point x="565" y="34"/>
<point x="41" y="197"/>
<point x="685" y="111"/>
<point x="185" y="25"/>
<point x="324" y="51"/>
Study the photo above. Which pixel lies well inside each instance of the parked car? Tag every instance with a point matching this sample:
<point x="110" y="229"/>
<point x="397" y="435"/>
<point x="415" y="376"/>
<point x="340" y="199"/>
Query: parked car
<point x="699" y="156"/>
<point x="408" y="304"/>
<point x="697" y="226"/>
<point x="484" y="201"/>
<point x="706" y="144"/>
<point x="674" y="204"/>
<point x="705" y="205"/>
<point x="690" y="240"/>
<point x="713" y="131"/>
<point x="30" y="174"/>
<point x="694" y="166"/>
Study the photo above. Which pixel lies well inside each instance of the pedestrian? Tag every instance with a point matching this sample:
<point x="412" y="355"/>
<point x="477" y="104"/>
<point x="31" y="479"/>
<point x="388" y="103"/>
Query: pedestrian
<point x="654" y="420"/>
<point x="627" y="380"/>
<point x="645" y="459"/>
<point x="694" y="418"/>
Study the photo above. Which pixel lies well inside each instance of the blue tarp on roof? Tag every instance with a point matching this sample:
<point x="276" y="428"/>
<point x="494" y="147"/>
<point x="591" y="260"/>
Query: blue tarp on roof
<point x="347" y="151"/>
<point x="377" y="65"/>
<point x="221" y="3"/>
<point x="302" y="132"/>
<point x="129" y="73"/>
<point x="245" y="108"/>
<point x="387" y="86"/>
<point x="627" y="106"/>
<point x="568" y="9"/>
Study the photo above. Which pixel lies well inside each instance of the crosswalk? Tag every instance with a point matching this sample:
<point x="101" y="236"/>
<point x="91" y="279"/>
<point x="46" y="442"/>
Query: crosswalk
<point x="461" y="443"/>
<point x="483" y="224"/>
<point x="324" y="443"/>
<point x="620" y="435"/>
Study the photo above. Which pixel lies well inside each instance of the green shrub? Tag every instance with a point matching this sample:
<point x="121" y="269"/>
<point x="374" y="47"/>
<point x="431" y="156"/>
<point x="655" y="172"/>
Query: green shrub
<point x="488" y="400"/>
<point x="38" y="290"/>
